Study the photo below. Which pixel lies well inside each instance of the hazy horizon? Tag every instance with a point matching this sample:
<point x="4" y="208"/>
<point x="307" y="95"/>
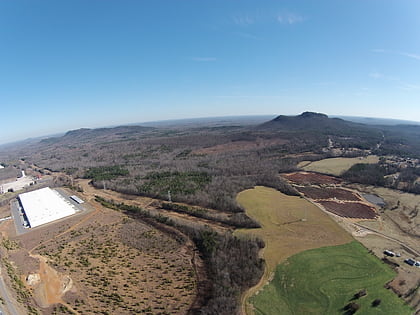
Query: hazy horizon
<point x="237" y="118"/>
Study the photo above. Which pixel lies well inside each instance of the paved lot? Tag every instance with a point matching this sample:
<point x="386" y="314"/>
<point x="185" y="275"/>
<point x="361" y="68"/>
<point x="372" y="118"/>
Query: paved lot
<point x="18" y="184"/>
<point x="66" y="196"/>
<point x="18" y="216"/>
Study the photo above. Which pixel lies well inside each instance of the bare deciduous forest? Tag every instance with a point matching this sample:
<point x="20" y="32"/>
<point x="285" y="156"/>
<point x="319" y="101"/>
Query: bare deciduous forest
<point x="205" y="167"/>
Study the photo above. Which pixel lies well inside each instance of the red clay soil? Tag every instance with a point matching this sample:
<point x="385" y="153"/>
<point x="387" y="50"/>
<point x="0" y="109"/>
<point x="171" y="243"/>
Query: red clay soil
<point x="328" y="193"/>
<point x="354" y="210"/>
<point x="306" y="178"/>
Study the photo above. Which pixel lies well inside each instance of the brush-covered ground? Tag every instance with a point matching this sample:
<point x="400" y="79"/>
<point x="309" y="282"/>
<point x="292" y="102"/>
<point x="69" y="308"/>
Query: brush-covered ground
<point x="107" y="264"/>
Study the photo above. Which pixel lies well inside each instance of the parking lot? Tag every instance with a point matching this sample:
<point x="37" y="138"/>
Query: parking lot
<point x="20" y="220"/>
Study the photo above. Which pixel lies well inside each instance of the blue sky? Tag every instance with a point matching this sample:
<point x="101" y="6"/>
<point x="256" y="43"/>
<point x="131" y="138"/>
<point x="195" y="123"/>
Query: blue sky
<point x="72" y="64"/>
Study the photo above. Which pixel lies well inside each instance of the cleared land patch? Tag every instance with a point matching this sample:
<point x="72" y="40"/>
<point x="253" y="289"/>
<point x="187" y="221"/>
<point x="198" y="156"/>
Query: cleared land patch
<point x="336" y="166"/>
<point x="111" y="264"/>
<point x="400" y="207"/>
<point x="306" y="178"/>
<point x="328" y="193"/>
<point x="325" y="280"/>
<point x="342" y="202"/>
<point x="283" y="230"/>
<point x="354" y="210"/>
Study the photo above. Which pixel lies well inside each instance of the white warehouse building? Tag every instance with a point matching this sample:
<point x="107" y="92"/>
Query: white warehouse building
<point x="45" y="205"/>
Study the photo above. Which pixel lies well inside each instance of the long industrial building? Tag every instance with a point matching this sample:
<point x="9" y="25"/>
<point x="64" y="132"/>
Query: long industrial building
<point x="45" y="205"/>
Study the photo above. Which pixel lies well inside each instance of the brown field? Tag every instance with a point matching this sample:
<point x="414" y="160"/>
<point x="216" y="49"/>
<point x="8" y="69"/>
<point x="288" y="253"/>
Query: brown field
<point x="103" y="261"/>
<point x="306" y="178"/>
<point x="401" y="208"/>
<point x="328" y="193"/>
<point x="336" y="166"/>
<point x="108" y="263"/>
<point x="354" y="210"/>
<point x="283" y="230"/>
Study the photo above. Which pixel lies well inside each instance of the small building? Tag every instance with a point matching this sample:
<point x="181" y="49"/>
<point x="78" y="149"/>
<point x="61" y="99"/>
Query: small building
<point x="76" y="199"/>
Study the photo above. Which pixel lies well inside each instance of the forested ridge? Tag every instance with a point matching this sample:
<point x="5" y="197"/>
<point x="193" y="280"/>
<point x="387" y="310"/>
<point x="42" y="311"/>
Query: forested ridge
<point x="208" y="166"/>
<point x="197" y="170"/>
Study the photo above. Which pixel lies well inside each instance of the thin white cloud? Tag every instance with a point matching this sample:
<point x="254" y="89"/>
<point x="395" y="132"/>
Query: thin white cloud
<point x="258" y="17"/>
<point x="381" y="76"/>
<point x="290" y="18"/>
<point x="401" y="53"/>
<point x="247" y="96"/>
<point x="410" y="87"/>
<point x="376" y="75"/>
<point x="378" y="50"/>
<point x="246" y="35"/>
<point x="204" y="59"/>
<point x="244" y="20"/>
<point x="401" y="84"/>
<point x="414" y="56"/>
<point x="325" y="83"/>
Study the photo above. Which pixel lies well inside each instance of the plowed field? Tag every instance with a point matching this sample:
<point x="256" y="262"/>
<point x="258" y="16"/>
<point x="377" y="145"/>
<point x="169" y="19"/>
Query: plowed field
<point x="328" y="193"/>
<point x="350" y="209"/>
<point x="305" y="178"/>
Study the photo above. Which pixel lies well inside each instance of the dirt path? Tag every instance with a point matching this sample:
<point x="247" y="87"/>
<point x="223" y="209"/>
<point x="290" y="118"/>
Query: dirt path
<point x="247" y="308"/>
<point x="372" y="231"/>
<point x="145" y="202"/>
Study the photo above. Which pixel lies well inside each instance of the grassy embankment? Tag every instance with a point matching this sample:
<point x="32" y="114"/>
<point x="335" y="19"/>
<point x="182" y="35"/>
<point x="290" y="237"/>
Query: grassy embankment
<point x="283" y="230"/>
<point x="324" y="280"/>
<point x="336" y="166"/>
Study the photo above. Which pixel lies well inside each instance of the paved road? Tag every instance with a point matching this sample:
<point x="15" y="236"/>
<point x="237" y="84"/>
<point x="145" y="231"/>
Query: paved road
<point x="8" y="306"/>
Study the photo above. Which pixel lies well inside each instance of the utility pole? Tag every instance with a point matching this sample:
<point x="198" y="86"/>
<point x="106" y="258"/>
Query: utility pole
<point x="169" y="196"/>
<point x="103" y="182"/>
<point x="304" y="215"/>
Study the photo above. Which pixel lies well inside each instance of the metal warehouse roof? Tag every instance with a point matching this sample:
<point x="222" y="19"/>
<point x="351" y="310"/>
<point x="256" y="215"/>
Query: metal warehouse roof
<point x="45" y="205"/>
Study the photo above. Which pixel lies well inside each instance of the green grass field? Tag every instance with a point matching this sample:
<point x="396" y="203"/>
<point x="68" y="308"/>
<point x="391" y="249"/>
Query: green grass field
<point x="282" y="228"/>
<point x="324" y="280"/>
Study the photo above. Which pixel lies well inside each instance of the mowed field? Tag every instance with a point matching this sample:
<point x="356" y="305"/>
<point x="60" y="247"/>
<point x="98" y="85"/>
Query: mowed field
<point x="336" y="166"/>
<point x="325" y="280"/>
<point x="283" y="230"/>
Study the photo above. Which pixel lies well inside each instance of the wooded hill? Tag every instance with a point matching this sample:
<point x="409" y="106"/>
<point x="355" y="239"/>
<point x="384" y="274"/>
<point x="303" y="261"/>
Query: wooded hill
<point x="208" y="166"/>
